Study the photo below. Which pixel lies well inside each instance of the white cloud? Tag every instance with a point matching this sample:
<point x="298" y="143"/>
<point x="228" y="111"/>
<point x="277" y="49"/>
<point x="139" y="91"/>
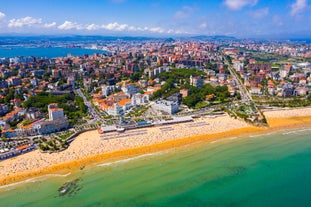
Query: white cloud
<point x="260" y="13"/>
<point x="2" y="15"/>
<point x="116" y="26"/>
<point x="298" y="6"/>
<point x="92" y="27"/>
<point x="238" y="4"/>
<point x="186" y="12"/>
<point x="132" y="28"/>
<point x="68" y="25"/>
<point x="124" y="27"/>
<point x="156" y="30"/>
<point x="203" y="26"/>
<point x="170" y="31"/>
<point x="26" y="21"/>
<point x="49" y="25"/>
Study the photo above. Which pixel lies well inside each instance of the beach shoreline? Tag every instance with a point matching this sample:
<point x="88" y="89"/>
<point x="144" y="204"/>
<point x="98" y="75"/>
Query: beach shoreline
<point x="89" y="149"/>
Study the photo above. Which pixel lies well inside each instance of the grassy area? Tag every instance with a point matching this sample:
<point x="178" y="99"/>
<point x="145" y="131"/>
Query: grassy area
<point x="138" y="112"/>
<point x="202" y="104"/>
<point x="53" y="145"/>
<point x="65" y="135"/>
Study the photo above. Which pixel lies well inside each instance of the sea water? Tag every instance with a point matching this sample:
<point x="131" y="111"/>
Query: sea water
<point x="266" y="170"/>
<point x="45" y="52"/>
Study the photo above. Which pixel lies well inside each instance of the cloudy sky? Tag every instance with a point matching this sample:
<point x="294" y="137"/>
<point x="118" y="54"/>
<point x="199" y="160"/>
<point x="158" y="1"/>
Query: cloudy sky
<point x="240" y="18"/>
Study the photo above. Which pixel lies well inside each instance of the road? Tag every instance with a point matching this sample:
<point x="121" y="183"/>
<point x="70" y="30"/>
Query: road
<point x="245" y="95"/>
<point x="93" y="112"/>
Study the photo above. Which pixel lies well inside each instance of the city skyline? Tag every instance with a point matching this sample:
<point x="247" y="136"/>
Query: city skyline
<point x="239" y="18"/>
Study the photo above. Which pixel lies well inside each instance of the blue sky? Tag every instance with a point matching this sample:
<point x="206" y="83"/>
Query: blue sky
<point x="240" y="18"/>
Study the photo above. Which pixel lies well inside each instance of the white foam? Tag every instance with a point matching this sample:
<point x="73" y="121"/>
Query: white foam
<point x="269" y="133"/>
<point x="291" y="132"/>
<point x="221" y="140"/>
<point x="129" y="159"/>
<point x="254" y="136"/>
<point x="33" y="180"/>
<point x="302" y="130"/>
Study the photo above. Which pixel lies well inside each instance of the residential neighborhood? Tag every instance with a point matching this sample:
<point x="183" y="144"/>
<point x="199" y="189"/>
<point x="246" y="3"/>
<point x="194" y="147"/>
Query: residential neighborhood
<point x="149" y="80"/>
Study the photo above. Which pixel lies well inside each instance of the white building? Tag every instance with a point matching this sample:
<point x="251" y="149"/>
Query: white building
<point x="130" y="89"/>
<point x="55" y="112"/>
<point x="169" y="107"/>
<point x="238" y="66"/>
<point x="46" y="127"/>
<point x="283" y="73"/>
<point x="139" y="99"/>
<point x="115" y="110"/>
<point x="106" y="90"/>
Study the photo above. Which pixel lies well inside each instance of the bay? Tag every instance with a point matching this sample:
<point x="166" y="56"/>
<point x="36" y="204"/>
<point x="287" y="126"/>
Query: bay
<point x="45" y="52"/>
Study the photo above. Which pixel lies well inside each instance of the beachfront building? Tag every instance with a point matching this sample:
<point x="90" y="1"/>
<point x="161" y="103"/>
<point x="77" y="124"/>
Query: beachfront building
<point x="57" y="121"/>
<point x="169" y="107"/>
<point x="55" y="112"/>
<point x="46" y="127"/>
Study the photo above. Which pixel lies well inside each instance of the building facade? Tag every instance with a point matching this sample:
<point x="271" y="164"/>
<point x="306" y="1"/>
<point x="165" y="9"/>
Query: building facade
<point x="169" y="107"/>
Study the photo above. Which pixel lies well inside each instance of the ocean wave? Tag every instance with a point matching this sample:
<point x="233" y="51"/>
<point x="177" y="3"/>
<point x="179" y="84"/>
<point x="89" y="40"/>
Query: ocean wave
<point x="222" y="140"/>
<point x="130" y="159"/>
<point x="255" y="136"/>
<point x="33" y="180"/>
<point x="302" y="130"/>
<point x="296" y="131"/>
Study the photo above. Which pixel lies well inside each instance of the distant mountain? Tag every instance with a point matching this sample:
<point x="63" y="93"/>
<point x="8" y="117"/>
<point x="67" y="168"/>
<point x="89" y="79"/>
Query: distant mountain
<point x="105" y="38"/>
<point x="169" y="40"/>
<point x="216" y="37"/>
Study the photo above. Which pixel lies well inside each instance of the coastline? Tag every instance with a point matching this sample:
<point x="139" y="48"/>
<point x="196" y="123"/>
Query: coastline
<point x="89" y="149"/>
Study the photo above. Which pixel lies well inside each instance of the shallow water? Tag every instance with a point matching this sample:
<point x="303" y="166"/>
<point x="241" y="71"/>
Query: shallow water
<point x="265" y="170"/>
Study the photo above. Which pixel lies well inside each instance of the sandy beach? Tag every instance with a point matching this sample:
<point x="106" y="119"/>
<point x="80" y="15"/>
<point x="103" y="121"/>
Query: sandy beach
<point x="91" y="147"/>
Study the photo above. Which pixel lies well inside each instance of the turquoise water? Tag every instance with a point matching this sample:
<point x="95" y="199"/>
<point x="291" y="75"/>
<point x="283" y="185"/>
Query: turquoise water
<point x="266" y="170"/>
<point x="45" y="52"/>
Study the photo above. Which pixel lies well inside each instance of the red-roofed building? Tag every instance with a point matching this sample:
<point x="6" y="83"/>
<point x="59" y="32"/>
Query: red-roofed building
<point x="55" y="112"/>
